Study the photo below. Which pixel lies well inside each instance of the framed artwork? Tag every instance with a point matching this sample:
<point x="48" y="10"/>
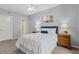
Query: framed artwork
<point x="48" y="19"/>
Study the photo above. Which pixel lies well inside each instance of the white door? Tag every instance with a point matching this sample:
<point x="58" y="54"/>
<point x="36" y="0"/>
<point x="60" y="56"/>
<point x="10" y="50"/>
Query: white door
<point x="4" y="27"/>
<point x="24" y="26"/>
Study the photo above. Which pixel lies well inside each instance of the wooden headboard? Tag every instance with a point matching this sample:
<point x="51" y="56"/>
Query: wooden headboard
<point x="56" y="27"/>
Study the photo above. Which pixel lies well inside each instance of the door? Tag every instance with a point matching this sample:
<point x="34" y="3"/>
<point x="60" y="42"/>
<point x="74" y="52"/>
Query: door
<point x="24" y="26"/>
<point x="4" y="27"/>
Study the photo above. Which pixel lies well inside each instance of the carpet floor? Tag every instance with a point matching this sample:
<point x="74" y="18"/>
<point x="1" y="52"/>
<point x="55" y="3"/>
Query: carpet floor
<point x="9" y="47"/>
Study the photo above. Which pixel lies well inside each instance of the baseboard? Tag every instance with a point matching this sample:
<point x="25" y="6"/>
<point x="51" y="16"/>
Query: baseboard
<point x="7" y="39"/>
<point x="75" y="46"/>
<point x="4" y="39"/>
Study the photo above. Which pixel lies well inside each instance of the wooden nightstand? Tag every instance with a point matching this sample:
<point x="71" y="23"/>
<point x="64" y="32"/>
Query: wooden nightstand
<point x="64" y="40"/>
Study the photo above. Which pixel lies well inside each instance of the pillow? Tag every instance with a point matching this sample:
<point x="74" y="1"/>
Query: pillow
<point x="51" y="31"/>
<point x="44" y="32"/>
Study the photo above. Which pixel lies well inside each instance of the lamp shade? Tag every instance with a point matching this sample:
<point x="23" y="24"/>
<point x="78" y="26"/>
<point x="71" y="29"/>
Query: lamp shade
<point x="64" y="26"/>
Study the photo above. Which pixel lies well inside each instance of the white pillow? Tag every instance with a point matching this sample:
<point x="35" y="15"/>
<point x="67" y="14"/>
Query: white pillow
<point x="52" y="31"/>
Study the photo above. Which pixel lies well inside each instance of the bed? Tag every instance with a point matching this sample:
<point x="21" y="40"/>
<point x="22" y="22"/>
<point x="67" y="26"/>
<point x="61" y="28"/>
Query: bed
<point x="39" y="43"/>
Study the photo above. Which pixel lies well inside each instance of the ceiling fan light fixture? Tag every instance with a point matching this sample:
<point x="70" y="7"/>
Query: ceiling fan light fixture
<point x="30" y="9"/>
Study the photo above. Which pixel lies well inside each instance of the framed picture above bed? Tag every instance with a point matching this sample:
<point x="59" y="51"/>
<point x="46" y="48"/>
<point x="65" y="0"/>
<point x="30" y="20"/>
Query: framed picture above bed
<point x="48" y="19"/>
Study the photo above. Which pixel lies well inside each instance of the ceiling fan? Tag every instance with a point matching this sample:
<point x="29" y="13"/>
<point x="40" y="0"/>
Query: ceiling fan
<point x="30" y="7"/>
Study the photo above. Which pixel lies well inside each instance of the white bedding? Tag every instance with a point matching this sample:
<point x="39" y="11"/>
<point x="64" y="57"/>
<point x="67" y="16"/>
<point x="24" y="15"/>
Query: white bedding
<point x="37" y="43"/>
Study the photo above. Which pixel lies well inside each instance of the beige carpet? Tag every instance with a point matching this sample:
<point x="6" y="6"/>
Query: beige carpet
<point x="62" y="50"/>
<point x="9" y="47"/>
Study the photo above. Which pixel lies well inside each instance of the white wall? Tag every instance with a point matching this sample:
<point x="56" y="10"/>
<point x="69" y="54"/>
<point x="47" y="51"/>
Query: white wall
<point x="4" y="27"/>
<point x="61" y="13"/>
<point x="76" y="41"/>
<point x="11" y="22"/>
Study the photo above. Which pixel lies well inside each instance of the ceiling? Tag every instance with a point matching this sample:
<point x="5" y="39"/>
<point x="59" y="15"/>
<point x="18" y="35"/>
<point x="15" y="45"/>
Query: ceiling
<point x="22" y="8"/>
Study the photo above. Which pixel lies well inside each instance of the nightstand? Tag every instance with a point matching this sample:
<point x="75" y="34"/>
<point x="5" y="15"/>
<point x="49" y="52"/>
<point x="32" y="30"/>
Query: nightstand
<point x="64" y="40"/>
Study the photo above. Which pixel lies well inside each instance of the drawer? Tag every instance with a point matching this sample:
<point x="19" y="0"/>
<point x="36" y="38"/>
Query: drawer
<point x="63" y="40"/>
<point x="63" y="36"/>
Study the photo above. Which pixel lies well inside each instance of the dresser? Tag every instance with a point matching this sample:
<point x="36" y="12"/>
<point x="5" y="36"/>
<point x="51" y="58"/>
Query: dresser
<point x="64" y="40"/>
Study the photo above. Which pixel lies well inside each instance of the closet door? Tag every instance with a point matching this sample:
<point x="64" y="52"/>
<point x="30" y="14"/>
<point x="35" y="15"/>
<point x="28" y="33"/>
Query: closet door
<point x="4" y="27"/>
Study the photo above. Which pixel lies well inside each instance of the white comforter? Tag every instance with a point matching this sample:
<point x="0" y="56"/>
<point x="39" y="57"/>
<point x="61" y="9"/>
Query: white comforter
<point x="37" y="43"/>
